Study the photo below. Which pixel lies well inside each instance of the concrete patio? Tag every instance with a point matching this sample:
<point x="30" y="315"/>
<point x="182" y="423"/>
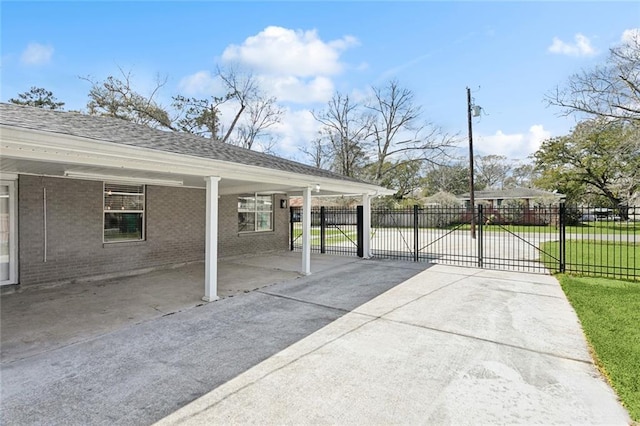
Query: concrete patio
<point x="43" y="318"/>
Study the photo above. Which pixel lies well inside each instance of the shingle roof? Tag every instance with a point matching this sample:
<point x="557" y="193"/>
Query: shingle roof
<point x="510" y="193"/>
<point x="117" y="131"/>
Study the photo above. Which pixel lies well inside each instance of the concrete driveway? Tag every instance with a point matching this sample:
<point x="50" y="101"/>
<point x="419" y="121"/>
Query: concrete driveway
<point x="367" y="342"/>
<point x="447" y="346"/>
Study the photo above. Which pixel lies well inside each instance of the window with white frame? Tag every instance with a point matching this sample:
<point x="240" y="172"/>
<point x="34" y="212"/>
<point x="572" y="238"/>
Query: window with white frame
<point x="255" y="213"/>
<point x="123" y="212"/>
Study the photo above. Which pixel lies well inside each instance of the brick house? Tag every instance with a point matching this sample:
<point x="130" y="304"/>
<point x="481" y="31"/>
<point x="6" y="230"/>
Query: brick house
<point x="535" y="206"/>
<point x="84" y="196"/>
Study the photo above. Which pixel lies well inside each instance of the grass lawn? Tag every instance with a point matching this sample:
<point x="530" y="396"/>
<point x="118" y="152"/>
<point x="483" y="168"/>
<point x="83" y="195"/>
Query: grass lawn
<point x="605" y="227"/>
<point x="584" y="257"/>
<point x="333" y="235"/>
<point x="610" y="314"/>
<point x="587" y="228"/>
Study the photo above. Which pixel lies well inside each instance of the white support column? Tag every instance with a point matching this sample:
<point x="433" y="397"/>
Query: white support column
<point x="306" y="232"/>
<point x="366" y="226"/>
<point x="211" y="241"/>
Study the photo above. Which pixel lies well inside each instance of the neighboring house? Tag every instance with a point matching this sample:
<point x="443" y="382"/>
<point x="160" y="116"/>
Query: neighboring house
<point x="533" y="203"/>
<point x="85" y="196"/>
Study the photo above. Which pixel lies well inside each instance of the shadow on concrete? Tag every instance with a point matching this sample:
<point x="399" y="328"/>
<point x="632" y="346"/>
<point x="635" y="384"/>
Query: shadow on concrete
<point x="45" y="317"/>
<point x="107" y="355"/>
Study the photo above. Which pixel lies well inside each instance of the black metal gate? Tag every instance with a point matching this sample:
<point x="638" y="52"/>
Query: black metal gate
<point x="507" y="239"/>
<point x="333" y="230"/>
<point x="548" y="239"/>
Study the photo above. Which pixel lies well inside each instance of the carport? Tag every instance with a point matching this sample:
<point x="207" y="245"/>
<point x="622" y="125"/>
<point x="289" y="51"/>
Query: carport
<point x="43" y="318"/>
<point x="183" y="192"/>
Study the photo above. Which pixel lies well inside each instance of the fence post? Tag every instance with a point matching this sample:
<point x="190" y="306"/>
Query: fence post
<point x="416" y="234"/>
<point x="562" y="212"/>
<point x="480" y="223"/>
<point x="291" y="228"/>
<point x="323" y="233"/>
<point x="360" y="230"/>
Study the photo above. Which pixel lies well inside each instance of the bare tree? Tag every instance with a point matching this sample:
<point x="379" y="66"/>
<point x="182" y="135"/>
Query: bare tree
<point x="522" y="175"/>
<point x="347" y="131"/>
<point x="611" y="90"/>
<point x="491" y="171"/>
<point x="399" y="134"/>
<point x="318" y="152"/>
<point x="240" y="86"/>
<point x="261" y="113"/>
<point x="115" y="97"/>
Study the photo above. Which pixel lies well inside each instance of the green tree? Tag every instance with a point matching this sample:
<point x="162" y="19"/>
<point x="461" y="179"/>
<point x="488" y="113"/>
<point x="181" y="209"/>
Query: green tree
<point x="600" y="157"/>
<point x="452" y="178"/>
<point x="39" y="98"/>
<point x="116" y="97"/>
<point x="255" y="113"/>
<point x="404" y="177"/>
<point x="198" y="116"/>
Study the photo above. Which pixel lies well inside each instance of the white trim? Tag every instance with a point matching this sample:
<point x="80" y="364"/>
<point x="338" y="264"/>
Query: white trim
<point x="141" y="212"/>
<point x="122" y="179"/>
<point x="13" y="232"/>
<point x="255" y="212"/>
<point x="129" y="180"/>
<point x="8" y="176"/>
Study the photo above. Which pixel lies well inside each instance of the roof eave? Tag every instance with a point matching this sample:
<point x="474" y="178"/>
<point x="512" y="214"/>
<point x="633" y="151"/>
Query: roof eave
<point x="38" y="145"/>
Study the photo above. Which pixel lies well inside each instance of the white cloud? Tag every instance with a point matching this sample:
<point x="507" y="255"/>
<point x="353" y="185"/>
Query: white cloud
<point x="537" y="135"/>
<point x="282" y="51"/>
<point x="516" y="145"/>
<point x="297" y="129"/>
<point x="293" y="65"/>
<point x="631" y="35"/>
<point x="580" y="47"/>
<point x="37" y="54"/>
<point x="299" y="90"/>
<point x="199" y="83"/>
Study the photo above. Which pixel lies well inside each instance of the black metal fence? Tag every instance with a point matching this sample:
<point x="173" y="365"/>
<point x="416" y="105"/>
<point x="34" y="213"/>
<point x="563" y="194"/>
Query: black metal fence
<point x="599" y="241"/>
<point x="333" y="230"/>
<point x="587" y="241"/>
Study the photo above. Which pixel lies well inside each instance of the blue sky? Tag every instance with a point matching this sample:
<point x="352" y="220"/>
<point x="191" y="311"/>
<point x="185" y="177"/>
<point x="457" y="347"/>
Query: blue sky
<point x="509" y="53"/>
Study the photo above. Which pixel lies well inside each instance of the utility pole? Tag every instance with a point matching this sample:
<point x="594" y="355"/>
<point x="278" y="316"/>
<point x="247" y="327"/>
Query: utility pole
<point x="471" y="194"/>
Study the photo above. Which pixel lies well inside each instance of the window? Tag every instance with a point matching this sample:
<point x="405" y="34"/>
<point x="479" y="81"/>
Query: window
<point x="123" y="212"/>
<point x="255" y="213"/>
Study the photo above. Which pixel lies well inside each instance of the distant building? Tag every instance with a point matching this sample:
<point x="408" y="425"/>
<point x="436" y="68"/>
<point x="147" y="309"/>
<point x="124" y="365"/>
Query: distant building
<point x="521" y="206"/>
<point x="529" y="196"/>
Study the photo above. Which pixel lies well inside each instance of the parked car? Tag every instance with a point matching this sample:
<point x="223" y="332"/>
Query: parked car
<point x="588" y="218"/>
